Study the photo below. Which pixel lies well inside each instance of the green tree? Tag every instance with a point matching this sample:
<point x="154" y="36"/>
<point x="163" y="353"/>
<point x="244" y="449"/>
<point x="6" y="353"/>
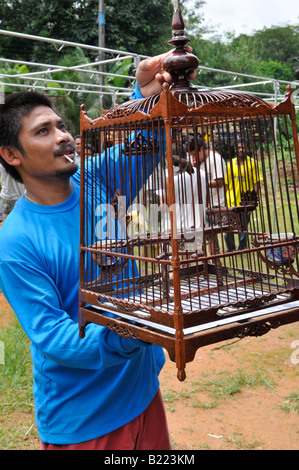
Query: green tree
<point x="59" y="19"/>
<point x="15" y="70"/>
<point x="68" y="103"/>
<point x="193" y="18"/>
<point x="278" y="43"/>
<point x="265" y="53"/>
<point x="275" y="69"/>
<point x="134" y="26"/>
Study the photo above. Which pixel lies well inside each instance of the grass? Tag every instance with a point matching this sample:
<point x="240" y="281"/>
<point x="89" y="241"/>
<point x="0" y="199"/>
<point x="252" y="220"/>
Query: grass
<point x="17" y="423"/>
<point x="253" y="380"/>
<point x="227" y="384"/>
<point x="291" y="403"/>
<point x="219" y="386"/>
<point x="207" y="390"/>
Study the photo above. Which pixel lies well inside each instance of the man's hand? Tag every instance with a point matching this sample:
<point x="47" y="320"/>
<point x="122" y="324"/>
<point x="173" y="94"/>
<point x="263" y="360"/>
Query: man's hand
<point x="151" y="75"/>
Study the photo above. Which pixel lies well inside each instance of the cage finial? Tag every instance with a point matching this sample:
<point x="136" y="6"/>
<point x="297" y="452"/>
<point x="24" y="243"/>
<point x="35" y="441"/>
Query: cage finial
<point x="181" y="62"/>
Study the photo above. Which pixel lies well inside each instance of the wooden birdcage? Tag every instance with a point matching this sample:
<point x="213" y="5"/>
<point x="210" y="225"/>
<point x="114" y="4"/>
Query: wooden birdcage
<point x="164" y="257"/>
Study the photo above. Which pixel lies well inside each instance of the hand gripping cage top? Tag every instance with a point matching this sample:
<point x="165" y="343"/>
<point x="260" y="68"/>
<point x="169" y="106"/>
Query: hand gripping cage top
<point x="181" y="252"/>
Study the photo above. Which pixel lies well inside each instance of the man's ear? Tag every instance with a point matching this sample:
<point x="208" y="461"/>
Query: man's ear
<point x="10" y="155"/>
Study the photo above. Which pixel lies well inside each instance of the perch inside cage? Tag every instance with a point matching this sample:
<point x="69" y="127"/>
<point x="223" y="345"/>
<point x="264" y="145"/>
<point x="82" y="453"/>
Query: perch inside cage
<point x="190" y="219"/>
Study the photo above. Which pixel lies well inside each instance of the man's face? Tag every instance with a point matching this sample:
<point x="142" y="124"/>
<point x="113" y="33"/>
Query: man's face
<point x="241" y="150"/>
<point x="201" y="155"/>
<point x="78" y="145"/>
<point x="45" y="143"/>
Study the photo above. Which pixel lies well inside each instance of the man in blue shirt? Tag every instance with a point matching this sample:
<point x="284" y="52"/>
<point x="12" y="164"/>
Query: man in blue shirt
<point x="100" y="392"/>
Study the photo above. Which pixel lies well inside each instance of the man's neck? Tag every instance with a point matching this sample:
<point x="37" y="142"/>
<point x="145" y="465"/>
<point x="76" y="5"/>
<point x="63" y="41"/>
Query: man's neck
<point x="48" y="195"/>
<point x="241" y="160"/>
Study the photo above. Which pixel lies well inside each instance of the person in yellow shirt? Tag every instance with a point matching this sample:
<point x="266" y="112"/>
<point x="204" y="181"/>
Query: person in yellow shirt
<point x="242" y="174"/>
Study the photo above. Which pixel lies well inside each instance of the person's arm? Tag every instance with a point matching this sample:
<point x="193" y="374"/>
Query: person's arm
<point x="227" y="185"/>
<point x="136" y="93"/>
<point x="38" y="305"/>
<point x="118" y="172"/>
<point x="257" y="187"/>
<point x="216" y="183"/>
<point x="150" y="74"/>
<point x="217" y="167"/>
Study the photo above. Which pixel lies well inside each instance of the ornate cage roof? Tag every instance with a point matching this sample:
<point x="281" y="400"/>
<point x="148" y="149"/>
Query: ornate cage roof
<point x="180" y="64"/>
<point x="194" y="99"/>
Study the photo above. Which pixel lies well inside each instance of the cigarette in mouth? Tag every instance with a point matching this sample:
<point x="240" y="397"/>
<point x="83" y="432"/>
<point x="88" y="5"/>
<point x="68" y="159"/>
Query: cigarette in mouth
<point x="68" y="158"/>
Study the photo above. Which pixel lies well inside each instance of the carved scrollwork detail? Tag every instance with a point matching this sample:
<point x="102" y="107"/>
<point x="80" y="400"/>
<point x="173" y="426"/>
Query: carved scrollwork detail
<point x="259" y="329"/>
<point x="123" y="331"/>
<point x="139" y="145"/>
<point x="118" y="112"/>
<point x="123" y="305"/>
<point x="255" y="303"/>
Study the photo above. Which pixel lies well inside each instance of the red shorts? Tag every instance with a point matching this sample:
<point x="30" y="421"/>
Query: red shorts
<point x="149" y="431"/>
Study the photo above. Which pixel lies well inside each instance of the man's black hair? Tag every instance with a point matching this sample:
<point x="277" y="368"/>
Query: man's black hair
<point x="16" y="106"/>
<point x="190" y="146"/>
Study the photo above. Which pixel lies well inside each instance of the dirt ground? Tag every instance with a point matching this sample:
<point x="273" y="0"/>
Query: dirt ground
<point x="258" y="416"/>
<point x="204" y="413"/>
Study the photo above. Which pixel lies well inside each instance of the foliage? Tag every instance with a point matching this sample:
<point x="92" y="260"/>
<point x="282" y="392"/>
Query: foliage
<point x="128" y="25"/>
<point x="138" y="18"/>
<point x="281" y="43"/>
<point x="193" y="18"/>
<point x="72" y="102"/>
<point x="60" y="19"/>
<point x="275" y="69"/>
<point x="17" y="428"/>
<point x="9" y="69"/>
<point x="143" y="28"/>
<point x="68" y="103"/>
<point x="291" y="403"/>
<point x="246" y="55"/>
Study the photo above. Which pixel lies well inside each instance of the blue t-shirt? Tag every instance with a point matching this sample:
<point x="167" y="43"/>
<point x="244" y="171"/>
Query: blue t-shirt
<point x="83" y="388"/>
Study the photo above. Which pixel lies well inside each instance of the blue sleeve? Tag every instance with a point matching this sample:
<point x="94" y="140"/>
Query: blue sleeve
<point x="117" y="172"/>
<point x="109" y="163"/>
<point x="136" y="93"/>
<point x="51" y="330"/>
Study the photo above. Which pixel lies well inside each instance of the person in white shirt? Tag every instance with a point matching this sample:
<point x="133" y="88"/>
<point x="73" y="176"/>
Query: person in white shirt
<point x="10" y="191"/>
<point x="215" y="168"/>
<point x="212" y="165"/>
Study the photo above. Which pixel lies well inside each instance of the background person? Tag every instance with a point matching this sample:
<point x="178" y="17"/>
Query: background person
<point x="77" y="145"/>
<point x="215" y="169"/>
<point x="10" y="191"/>
<point x="242" y="175"/>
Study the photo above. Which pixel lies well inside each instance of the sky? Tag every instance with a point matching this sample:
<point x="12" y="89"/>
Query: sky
<point x="247" y="16"/>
